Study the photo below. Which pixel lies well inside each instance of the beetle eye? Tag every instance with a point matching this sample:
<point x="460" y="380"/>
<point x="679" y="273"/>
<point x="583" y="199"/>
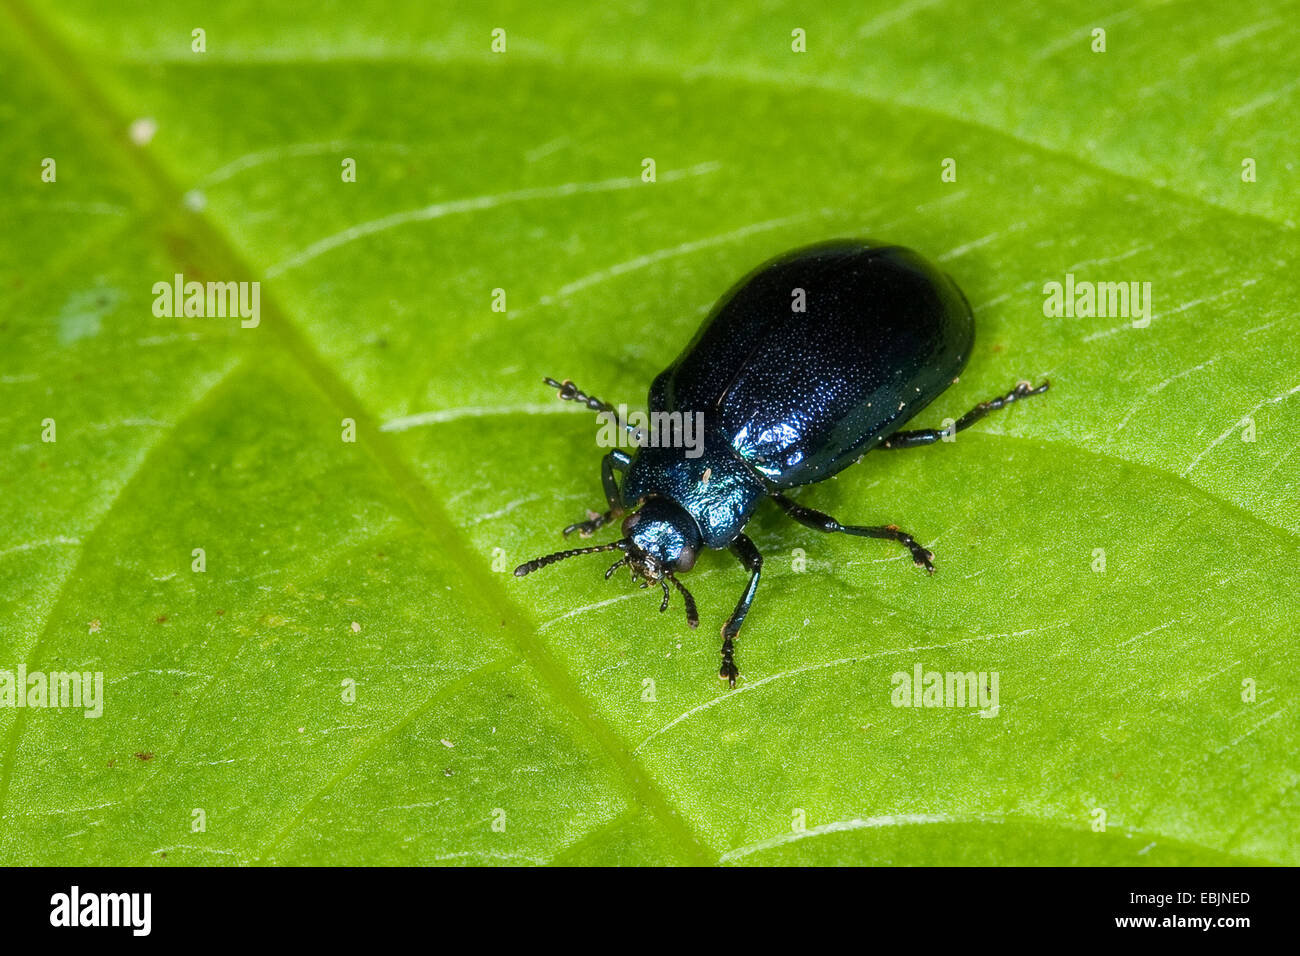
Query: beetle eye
<point x="685" y="560"/>
<point x="631" y="521"/>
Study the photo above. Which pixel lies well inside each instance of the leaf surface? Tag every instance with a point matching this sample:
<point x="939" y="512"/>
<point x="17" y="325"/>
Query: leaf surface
<point x="505" y="721"/>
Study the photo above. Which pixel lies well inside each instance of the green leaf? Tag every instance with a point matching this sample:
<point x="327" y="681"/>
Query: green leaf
<point x="498" y="720"/>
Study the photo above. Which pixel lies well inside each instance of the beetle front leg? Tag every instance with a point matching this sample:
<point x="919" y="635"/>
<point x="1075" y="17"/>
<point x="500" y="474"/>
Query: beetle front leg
<point x="614" y="460"/>
<point x="928" y="436"/>
<point x="824" y="522"/>
<point x="743" y="549"/>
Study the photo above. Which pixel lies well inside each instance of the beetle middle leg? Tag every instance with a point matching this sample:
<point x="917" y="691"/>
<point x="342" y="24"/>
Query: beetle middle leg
<point x="615" y="460"/>
<point x="743" y="549"/>
<point x="824" y="522"/>
<point x="928" y="436"/>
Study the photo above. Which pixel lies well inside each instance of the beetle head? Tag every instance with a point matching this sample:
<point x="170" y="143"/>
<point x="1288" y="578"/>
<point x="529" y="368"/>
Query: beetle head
<point x="659" y="540"/>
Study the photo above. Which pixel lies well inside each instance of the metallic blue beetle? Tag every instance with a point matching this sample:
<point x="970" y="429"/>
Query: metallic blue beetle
<point x="810" y="361"/>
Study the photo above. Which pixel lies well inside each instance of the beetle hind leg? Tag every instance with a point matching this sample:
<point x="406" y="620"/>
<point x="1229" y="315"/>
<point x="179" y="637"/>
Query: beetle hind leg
<point x="928" y="436"/>
<point x="922" y="557"/>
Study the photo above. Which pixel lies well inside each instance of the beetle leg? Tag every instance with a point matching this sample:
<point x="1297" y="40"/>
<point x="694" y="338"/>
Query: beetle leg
<point x="824" y="522"/>
<point x="743" y="549"/>
<point x="928" y="436"/>
<point x="615" y="460"/>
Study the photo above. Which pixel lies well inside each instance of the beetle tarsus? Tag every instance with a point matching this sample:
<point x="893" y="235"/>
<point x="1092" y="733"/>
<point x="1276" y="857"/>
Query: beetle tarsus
<point x="921" y="557"/>
<point x="692" y="616"/>
<point x="729" y="672"/>
<point x="589" y="527"/>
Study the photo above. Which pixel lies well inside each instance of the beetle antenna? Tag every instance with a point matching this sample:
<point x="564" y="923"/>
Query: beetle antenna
<point x="571" y="393"/>
<point x="692" y="618"/>
<point x="663" y="605"/>
<point x="531" y="566"/>
<point x="615" y="566"/>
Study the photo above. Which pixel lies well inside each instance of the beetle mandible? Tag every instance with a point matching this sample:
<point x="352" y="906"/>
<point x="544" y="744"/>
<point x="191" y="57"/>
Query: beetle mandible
<point x="810" y="361"/>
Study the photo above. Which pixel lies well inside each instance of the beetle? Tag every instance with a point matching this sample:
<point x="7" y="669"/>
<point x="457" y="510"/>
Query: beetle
<point x="811" y="360"/>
